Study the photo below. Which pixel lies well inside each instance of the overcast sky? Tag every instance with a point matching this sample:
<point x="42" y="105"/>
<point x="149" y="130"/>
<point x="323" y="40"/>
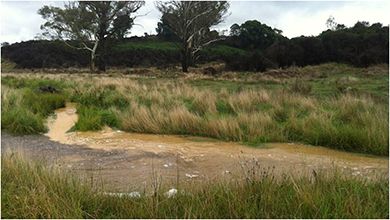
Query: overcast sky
<point x="20" y="21"/>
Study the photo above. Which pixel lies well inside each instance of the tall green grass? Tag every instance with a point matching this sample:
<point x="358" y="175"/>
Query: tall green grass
<point x="29" y="190"/>
<point x="42" y="103"/>
<point x="33" y="83"/>
<point x="99" y="96"/>
<point x="92" y="118"/>
<point x="346" y="122"/>
<point x="247" y="110"/>
<point x="21" y="121"/>
<point x="25" y="109"/>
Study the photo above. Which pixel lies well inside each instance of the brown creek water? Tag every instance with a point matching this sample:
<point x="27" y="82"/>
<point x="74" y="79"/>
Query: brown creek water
<point x="130" y="159"/>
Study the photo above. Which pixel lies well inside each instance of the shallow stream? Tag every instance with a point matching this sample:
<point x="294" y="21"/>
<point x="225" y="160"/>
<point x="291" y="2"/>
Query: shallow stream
<point x="133" y="158"/>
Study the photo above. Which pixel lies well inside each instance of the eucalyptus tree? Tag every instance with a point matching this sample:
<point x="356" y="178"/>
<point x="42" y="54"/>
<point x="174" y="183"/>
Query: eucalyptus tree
<point x="191" y="22"/>
<point x="87" y="25"/>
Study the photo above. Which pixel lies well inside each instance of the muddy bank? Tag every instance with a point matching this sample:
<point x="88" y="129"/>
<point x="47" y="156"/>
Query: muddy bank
<point x="127" y="161"/>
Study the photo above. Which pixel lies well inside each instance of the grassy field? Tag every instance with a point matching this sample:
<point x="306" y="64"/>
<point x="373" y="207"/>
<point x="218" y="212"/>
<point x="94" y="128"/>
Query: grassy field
<point x="30" y="190"/>
<point x="332" y="105"/>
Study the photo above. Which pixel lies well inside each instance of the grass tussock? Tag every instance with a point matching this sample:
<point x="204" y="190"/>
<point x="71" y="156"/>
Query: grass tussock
<point x="93" y="119"/>
<point x="24" y="110"/>
<point x="345" y="122"/>
<point x="308" y="109"/>
<point x="20" y="121"/>
<point x="29" y="190"/>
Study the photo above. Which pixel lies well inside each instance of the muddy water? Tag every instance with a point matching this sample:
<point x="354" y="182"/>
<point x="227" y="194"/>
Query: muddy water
<point x="62" y="122"/>
<point x="196" y="159"/>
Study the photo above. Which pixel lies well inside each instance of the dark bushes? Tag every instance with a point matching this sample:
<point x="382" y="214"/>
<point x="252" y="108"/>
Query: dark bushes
<point x="44" y="54"/>
<point x="143" y="52"/>
<point x="254" y="61"/>
<point x="255" y="48"/>
<point x="361" y="45"/>
<point x="133" y="52"/>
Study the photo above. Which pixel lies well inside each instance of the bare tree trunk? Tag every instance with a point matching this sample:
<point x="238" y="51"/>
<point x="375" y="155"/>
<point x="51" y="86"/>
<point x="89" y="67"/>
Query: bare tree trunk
<point x="184" y="66"/>
<point x="93" y="56"/>
<point x="102" y="58"/>
<point x="92" y="64"/>
<point x="184" y="62"/>
<point x="186" y="57"/>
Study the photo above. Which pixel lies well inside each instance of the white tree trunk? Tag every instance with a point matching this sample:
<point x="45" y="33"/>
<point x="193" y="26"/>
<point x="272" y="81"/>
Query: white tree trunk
<point x="93" y="55"/>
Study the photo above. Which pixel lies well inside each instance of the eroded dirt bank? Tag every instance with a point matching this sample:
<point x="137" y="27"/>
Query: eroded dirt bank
<point x="126" y="161"/>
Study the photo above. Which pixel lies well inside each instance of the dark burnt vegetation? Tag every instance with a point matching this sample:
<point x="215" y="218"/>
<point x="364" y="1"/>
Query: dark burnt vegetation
<point x="251" y="46"/>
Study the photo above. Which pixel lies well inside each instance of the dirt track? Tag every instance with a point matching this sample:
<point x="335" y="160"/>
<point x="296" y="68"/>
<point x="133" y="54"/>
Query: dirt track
<point x="126" y="161"/>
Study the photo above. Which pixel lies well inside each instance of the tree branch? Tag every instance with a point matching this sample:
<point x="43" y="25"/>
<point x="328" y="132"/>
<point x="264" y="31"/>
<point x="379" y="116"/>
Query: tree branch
<point x="196" y="17"/>
<point x="200" y="47"/>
